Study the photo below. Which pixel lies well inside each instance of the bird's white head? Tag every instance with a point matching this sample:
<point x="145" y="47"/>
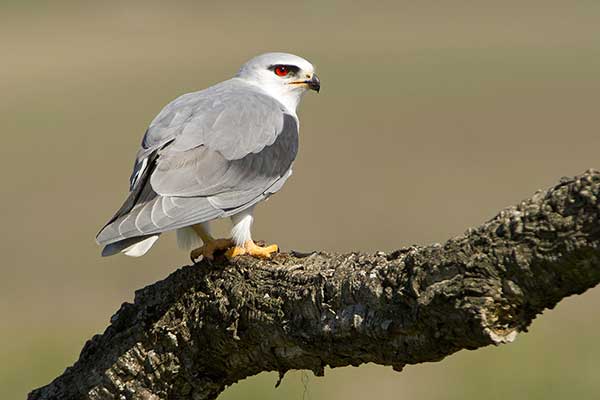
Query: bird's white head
<point x="284" y="76"/>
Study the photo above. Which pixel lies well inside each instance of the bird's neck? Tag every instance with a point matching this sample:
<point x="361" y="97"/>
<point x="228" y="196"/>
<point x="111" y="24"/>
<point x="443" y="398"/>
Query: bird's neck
<point x="289" y="96"/>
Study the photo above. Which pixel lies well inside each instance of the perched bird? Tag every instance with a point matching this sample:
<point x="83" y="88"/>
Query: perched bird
<point x="213" y="154"/>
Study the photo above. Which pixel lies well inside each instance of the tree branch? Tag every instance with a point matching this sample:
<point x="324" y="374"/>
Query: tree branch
<point x="208" y="326"/>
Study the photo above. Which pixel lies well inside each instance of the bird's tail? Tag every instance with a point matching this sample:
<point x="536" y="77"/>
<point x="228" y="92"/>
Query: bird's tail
<point x="133" y="247"/>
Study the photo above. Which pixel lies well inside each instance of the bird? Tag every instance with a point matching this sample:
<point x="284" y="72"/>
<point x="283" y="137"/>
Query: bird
<point x="211" y="154"/>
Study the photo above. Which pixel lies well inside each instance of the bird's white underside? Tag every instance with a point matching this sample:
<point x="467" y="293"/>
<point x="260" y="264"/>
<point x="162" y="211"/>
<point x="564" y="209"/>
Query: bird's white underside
<point x="188" y="239"/>
<point x="242" y="225"/>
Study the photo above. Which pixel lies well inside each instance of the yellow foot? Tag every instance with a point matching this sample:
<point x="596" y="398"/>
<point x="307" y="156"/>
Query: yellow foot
<point x="208" y="249"/>
<point x="253" y="250"/>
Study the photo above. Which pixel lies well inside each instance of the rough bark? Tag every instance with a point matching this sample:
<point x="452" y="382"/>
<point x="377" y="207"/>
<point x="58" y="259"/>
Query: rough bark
<point x="208" y="326"/>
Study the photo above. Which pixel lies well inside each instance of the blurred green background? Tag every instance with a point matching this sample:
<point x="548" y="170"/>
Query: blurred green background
<point x="432" y="117"/>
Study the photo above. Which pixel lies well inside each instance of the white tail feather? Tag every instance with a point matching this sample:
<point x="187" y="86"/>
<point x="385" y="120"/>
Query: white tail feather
<point x="140" y="248"/>
<point x="188" y="239"/>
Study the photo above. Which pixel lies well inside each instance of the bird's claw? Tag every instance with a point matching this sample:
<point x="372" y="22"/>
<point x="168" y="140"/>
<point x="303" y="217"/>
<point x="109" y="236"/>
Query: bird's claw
<point x="207" y="250"/>
<point x="252" y="249"/>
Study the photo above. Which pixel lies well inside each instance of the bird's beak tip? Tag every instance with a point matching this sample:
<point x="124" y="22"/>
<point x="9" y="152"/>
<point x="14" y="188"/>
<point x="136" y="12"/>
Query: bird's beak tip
<point x="314" y="83"/>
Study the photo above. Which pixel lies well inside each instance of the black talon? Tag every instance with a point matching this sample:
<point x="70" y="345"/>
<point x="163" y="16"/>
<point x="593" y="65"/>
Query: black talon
<point x="302" y="254"/>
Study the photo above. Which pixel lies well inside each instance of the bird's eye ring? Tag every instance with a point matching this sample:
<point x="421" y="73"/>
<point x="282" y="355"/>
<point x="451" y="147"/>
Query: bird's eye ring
<point x="281" y="70"/>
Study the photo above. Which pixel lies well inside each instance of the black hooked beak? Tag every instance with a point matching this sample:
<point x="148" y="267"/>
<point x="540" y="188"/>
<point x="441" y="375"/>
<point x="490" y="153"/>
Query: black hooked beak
<point x="314" y="83"/>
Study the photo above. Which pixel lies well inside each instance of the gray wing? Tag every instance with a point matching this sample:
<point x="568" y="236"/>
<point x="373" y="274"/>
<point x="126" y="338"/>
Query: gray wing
<point x="208" y="154"/>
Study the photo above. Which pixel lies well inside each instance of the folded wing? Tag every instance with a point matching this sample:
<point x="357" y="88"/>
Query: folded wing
<point x="208" y="154"/>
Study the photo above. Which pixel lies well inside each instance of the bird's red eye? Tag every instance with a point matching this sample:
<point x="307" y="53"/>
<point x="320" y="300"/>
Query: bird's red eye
<point x="281" y="70"/>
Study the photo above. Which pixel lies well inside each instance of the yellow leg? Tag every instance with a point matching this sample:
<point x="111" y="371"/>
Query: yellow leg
<point x="210" y="245"/>
<point x="253" y="250"/>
